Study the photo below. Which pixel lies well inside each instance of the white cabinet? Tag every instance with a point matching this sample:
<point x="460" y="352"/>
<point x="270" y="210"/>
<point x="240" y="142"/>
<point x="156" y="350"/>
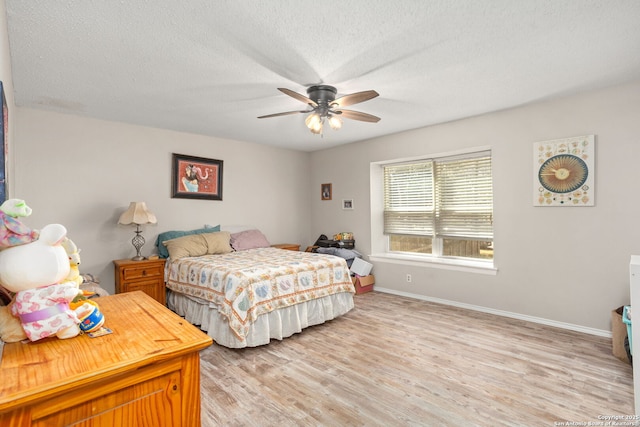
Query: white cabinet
<point x="634" y="279"/>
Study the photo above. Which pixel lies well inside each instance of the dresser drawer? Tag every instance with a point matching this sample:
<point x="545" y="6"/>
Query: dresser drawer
<point x="142" y="272"/>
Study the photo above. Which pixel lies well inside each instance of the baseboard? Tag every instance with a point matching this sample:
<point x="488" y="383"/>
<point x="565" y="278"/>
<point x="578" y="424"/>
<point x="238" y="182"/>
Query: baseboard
<point x="569" y="326"/>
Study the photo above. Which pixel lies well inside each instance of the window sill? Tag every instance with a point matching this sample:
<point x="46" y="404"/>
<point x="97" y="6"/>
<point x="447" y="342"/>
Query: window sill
<point x="479" y="267"/>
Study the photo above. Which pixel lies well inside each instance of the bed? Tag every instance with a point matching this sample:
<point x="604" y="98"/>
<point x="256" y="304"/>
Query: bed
<point x="244" y="293"/>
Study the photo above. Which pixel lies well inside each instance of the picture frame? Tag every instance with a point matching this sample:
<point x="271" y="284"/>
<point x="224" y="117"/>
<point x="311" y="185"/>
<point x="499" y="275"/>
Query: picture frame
<point x="347" y="204"/>
<point x="564" y="172"/>
<point x="195" y="177"/>
<point x="4" y="140"/>
<point x="325" y="192"/>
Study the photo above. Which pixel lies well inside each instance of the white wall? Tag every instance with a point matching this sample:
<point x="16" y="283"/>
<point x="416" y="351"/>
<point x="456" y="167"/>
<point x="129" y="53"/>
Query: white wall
<point x="83" y="173"/>
<point x="568" y="265"/>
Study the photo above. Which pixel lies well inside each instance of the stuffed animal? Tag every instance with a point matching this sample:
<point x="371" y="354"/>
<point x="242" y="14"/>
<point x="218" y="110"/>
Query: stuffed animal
<point x="34" y="271"/>
<point x="74" y="261"/>
<point x="15" y="208"/>
<point x="12" y="231"/>
<point x="10" y="326"/>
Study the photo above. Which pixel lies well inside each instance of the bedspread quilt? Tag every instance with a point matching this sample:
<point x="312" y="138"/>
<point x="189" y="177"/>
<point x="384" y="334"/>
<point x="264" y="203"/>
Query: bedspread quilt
<point x="245" y="284"/>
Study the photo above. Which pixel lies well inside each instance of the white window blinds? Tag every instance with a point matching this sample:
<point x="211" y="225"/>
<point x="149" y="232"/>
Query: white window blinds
<point x="409" y="206"/>
<point x="464" y="195"/>
<point x="446" y="197"/>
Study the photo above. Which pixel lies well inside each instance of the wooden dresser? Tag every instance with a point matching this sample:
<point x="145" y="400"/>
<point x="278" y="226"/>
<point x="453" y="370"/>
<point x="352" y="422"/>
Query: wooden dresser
<point x="146" y="276"/>
<point x="147" y="372"/>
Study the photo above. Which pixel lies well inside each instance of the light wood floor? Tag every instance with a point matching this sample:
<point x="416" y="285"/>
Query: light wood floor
<point x="396" y="361"/>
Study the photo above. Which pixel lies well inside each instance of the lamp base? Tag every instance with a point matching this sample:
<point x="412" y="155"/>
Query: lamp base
<point x="138" y="242"/>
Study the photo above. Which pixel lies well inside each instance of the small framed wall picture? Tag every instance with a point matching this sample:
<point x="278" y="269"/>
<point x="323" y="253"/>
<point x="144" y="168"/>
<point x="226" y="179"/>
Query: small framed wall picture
<point x="325" y="191"/>
<point x="347" y="204"/>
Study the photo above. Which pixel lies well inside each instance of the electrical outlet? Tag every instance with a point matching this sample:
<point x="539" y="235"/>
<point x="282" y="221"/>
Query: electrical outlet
<point x="408" y="278"/>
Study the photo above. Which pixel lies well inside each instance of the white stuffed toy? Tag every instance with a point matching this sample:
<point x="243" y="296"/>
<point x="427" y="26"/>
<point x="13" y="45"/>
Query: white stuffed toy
<point x="34" y="272"/>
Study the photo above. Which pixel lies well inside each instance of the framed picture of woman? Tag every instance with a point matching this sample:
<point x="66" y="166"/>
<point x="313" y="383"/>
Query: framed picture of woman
<point x="196" y="178"/>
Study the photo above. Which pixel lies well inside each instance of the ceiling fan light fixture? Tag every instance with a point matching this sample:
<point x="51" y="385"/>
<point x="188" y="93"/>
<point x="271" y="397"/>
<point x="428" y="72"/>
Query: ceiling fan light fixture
<point x="325" y="107"/>
<point x="312" y="120"/>
<point x="317" y="128"/>
<point x="335" y="122"/>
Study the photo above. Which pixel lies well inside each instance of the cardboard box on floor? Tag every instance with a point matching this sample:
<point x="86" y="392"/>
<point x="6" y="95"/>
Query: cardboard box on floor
<point x="618" y="334"/>
<point x="363" y="283"/>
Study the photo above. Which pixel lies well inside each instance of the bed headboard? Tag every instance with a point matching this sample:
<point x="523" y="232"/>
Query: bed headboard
<point x="236" y="228"/>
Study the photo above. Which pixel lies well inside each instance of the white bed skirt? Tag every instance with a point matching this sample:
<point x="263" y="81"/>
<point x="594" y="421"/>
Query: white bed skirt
<point x="277" y="324"/>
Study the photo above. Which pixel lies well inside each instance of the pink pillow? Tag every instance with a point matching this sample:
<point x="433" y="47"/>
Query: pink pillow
<point x="248" y="239"/>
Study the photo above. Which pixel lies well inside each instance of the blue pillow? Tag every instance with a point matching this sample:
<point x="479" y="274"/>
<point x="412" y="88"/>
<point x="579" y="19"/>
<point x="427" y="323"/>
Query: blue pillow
<point x="173" y="234"/>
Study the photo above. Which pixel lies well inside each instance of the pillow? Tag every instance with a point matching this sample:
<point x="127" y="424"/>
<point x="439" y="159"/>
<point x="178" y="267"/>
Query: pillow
<point x="198" y="245"/>
<point x="249" y="239"/>
<point x="190" y="245"/>
<point x="169" y="235"/>
<point x="218" y="243"/>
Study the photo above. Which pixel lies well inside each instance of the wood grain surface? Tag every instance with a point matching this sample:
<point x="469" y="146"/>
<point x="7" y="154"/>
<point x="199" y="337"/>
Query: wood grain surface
<point x="146" y="372"/>
<point x="399" y="361"/>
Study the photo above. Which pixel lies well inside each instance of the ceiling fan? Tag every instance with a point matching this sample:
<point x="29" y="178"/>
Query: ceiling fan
<point x="325" y="106"/>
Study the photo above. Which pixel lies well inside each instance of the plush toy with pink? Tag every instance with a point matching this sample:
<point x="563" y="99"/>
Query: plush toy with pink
<point x="12" y="231"/>
<point x="36" y="272"/>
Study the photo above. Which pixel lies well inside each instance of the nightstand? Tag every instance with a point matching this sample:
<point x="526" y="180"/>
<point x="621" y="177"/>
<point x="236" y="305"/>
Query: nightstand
<point x="146" y="276"/>
<point x="287" y="246"/>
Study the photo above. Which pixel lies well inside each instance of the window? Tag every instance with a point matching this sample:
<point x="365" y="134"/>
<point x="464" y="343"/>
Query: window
<point x="440" y="207"/>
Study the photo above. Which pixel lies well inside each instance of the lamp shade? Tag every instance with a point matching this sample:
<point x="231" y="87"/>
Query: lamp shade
<point x="138" y="214"/>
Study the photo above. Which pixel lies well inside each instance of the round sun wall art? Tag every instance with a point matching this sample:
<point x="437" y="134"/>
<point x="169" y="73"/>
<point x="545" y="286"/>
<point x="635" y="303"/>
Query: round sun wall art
<point x="564" y="171"/>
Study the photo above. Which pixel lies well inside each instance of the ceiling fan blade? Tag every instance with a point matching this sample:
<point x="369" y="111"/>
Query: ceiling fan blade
<point x="355" y="98"/>
<point x="357" y="115"/>
<point x="298" y="96"/>
<point x="282" y="114"/>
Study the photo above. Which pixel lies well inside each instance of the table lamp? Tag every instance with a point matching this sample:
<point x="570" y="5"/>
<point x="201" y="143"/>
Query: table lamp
<point x="137" y="214"/>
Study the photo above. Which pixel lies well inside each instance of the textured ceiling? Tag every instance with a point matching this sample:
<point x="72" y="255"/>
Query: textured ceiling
<point x="212" y="67"/>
